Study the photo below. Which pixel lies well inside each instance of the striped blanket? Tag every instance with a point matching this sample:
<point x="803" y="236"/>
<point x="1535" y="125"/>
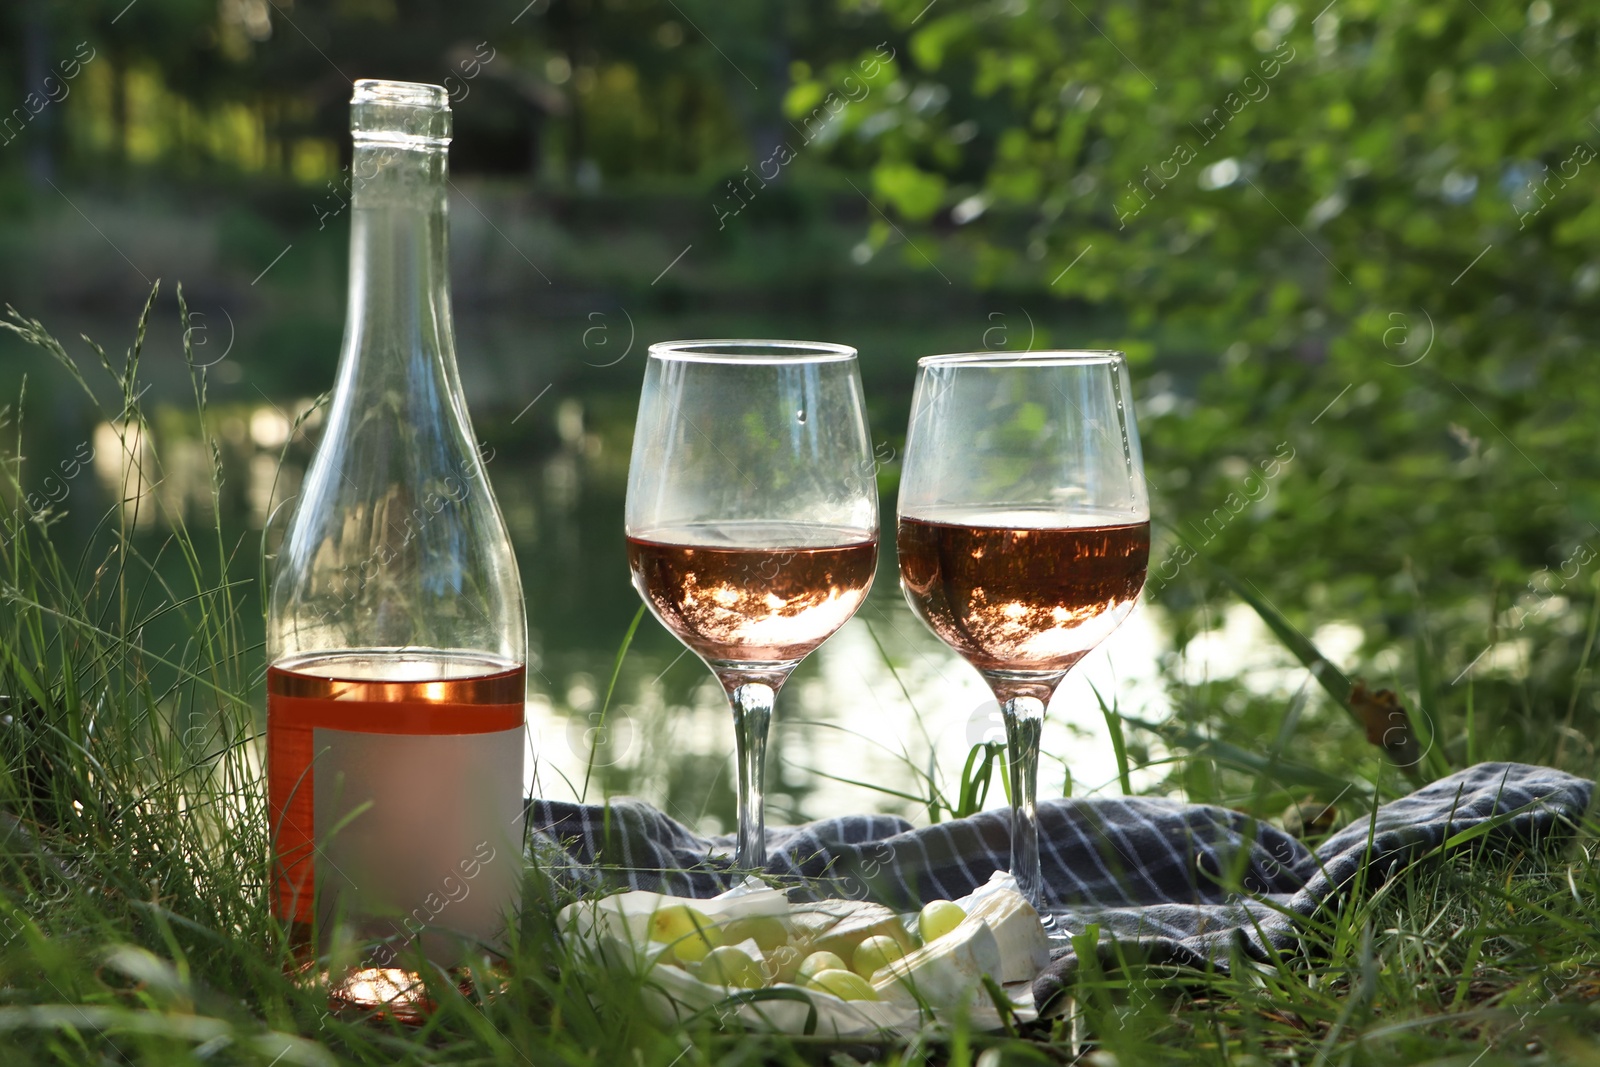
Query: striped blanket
<point x="1174" y="882"/>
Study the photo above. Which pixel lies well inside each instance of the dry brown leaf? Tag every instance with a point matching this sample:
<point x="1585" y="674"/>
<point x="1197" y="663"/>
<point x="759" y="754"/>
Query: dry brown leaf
<point x="1386" y="722"/>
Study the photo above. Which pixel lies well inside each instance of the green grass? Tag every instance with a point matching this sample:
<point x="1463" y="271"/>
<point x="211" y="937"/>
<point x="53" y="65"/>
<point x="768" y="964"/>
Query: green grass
<point x="132" y="882"/>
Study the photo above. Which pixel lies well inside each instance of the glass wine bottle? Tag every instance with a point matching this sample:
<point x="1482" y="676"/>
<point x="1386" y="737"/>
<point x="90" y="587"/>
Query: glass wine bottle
<point x="396" y="638"/>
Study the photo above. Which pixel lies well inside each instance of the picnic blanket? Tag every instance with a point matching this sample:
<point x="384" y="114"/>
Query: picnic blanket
<point x="1152" y="874"/>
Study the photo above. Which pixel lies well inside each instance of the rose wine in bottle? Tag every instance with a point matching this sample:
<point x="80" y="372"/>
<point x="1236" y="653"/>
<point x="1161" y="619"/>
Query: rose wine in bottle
<point x="396" y="638"/>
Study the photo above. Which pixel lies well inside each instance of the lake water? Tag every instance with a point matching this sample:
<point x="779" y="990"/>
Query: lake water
<point x="880" y="716"/>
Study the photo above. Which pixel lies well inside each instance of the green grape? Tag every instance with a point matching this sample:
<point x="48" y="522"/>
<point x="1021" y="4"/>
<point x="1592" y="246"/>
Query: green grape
<point x="875" y="953"/>
<point x="726" y="965"/>
<point x="938" y="919"/>
<point x="846" y="985"/>
<point x="689" y="934"/>
<point x="820" y="961"/>
<point x="765" y="930"/>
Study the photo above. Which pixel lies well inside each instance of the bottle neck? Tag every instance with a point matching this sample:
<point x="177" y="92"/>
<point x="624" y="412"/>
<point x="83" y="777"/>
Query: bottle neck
<point x="397" y="549"/>
<point x="399" y="305"/>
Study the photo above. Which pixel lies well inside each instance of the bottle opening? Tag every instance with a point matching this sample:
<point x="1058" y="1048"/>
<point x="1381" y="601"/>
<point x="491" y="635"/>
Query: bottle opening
<point x="407" y="114"/>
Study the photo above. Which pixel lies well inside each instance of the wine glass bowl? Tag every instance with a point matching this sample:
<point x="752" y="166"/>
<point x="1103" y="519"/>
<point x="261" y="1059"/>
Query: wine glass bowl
<point x="1013" y="591"/>
<point x="1024" y="531"/>
<point x="751" y="536"/>
<point x="733" y="600"/>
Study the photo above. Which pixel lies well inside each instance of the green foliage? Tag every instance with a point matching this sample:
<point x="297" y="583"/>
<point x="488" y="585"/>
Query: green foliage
<point x="915" y="194"/>
<point x="133" y="881"/>
<point x="1359" y="236"/>
<point x="1350" y="244"/>
<point x="1400" y="977"/>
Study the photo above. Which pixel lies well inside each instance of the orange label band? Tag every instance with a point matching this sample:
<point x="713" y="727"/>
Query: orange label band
<point x="378" y="717"/>
<point x="289" y="806"/>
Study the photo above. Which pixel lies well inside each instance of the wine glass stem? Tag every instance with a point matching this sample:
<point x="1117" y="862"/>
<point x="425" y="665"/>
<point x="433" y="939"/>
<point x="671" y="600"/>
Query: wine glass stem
<point x="752" y="715"/>
<point x="1024" y="717"/>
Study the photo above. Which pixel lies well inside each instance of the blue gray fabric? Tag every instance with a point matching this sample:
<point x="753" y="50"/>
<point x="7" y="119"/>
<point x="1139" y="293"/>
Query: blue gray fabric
<point x="1152" y="874"/>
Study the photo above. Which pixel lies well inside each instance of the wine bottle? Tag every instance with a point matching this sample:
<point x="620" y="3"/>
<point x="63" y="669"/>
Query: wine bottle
<point x="396" y="635"/>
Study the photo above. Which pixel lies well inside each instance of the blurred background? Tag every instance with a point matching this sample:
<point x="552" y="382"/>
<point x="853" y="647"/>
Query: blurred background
<point x="1350" y="250"/>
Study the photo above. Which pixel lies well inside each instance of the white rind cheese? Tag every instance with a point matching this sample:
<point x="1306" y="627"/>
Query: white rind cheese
<point x="947" y="973"/>
<point x="1024" y="948"/>
<point x="1001" y="937"/>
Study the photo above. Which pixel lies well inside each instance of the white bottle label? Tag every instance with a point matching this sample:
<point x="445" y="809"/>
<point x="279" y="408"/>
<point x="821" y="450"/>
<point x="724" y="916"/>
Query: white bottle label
<point x="419" y="837"/>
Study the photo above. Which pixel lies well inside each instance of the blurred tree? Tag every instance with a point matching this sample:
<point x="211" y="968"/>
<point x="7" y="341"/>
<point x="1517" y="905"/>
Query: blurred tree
<point x="1365" y="232"/>
<point x="1362" y="232"/>
<point x="601" y="87"/>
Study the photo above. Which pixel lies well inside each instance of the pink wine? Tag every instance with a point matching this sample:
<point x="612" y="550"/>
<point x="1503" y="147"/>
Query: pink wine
<point x="440" y="698"/>
<point x="746" y="604"/>
<point x="1024" y="597"/>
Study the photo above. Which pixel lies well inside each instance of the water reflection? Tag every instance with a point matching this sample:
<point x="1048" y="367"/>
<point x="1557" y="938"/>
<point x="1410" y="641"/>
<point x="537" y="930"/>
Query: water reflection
<point x="882" y="709"/>
<point x="160" y="473"/>
<point x="880" y="718"/>
<point x="124" y="463"/>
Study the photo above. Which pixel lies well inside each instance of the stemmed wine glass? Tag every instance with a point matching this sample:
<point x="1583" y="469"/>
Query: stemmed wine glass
<point x="1024" y="533"/>
<point x="752" y="532"/>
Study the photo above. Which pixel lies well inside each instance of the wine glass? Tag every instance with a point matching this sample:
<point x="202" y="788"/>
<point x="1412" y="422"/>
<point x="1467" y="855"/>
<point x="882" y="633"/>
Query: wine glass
<point x="1024" y="533"/>
<point x="752" y="519"/>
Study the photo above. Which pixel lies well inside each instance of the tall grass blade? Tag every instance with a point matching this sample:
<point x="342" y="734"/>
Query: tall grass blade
<point x="1327" y="674"/>
<point x="976" y="776"/>
<point x="1286" y="773"/>
<point x="1119" y="745"/>
<point x="611" y="687"/>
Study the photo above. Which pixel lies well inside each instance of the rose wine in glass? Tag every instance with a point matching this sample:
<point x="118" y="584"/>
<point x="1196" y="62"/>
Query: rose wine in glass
<point x="1029" y="594"/>
<point x="752" y="533"/>
<point x="729" y="602"/>
<point x="1024" y="534"/>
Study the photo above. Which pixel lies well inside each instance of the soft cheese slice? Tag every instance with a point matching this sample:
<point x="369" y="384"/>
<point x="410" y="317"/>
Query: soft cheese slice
<point x="838" y="926"/>
<point x="946" y="973"/>
<point x="1024" y="948"/>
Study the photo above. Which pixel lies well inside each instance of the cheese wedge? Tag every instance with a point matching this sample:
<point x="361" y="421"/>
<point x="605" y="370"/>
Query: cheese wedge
<point x="838" y="926"/>
<point x="1024" y="948"/>
<point x="948" y="973"/>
